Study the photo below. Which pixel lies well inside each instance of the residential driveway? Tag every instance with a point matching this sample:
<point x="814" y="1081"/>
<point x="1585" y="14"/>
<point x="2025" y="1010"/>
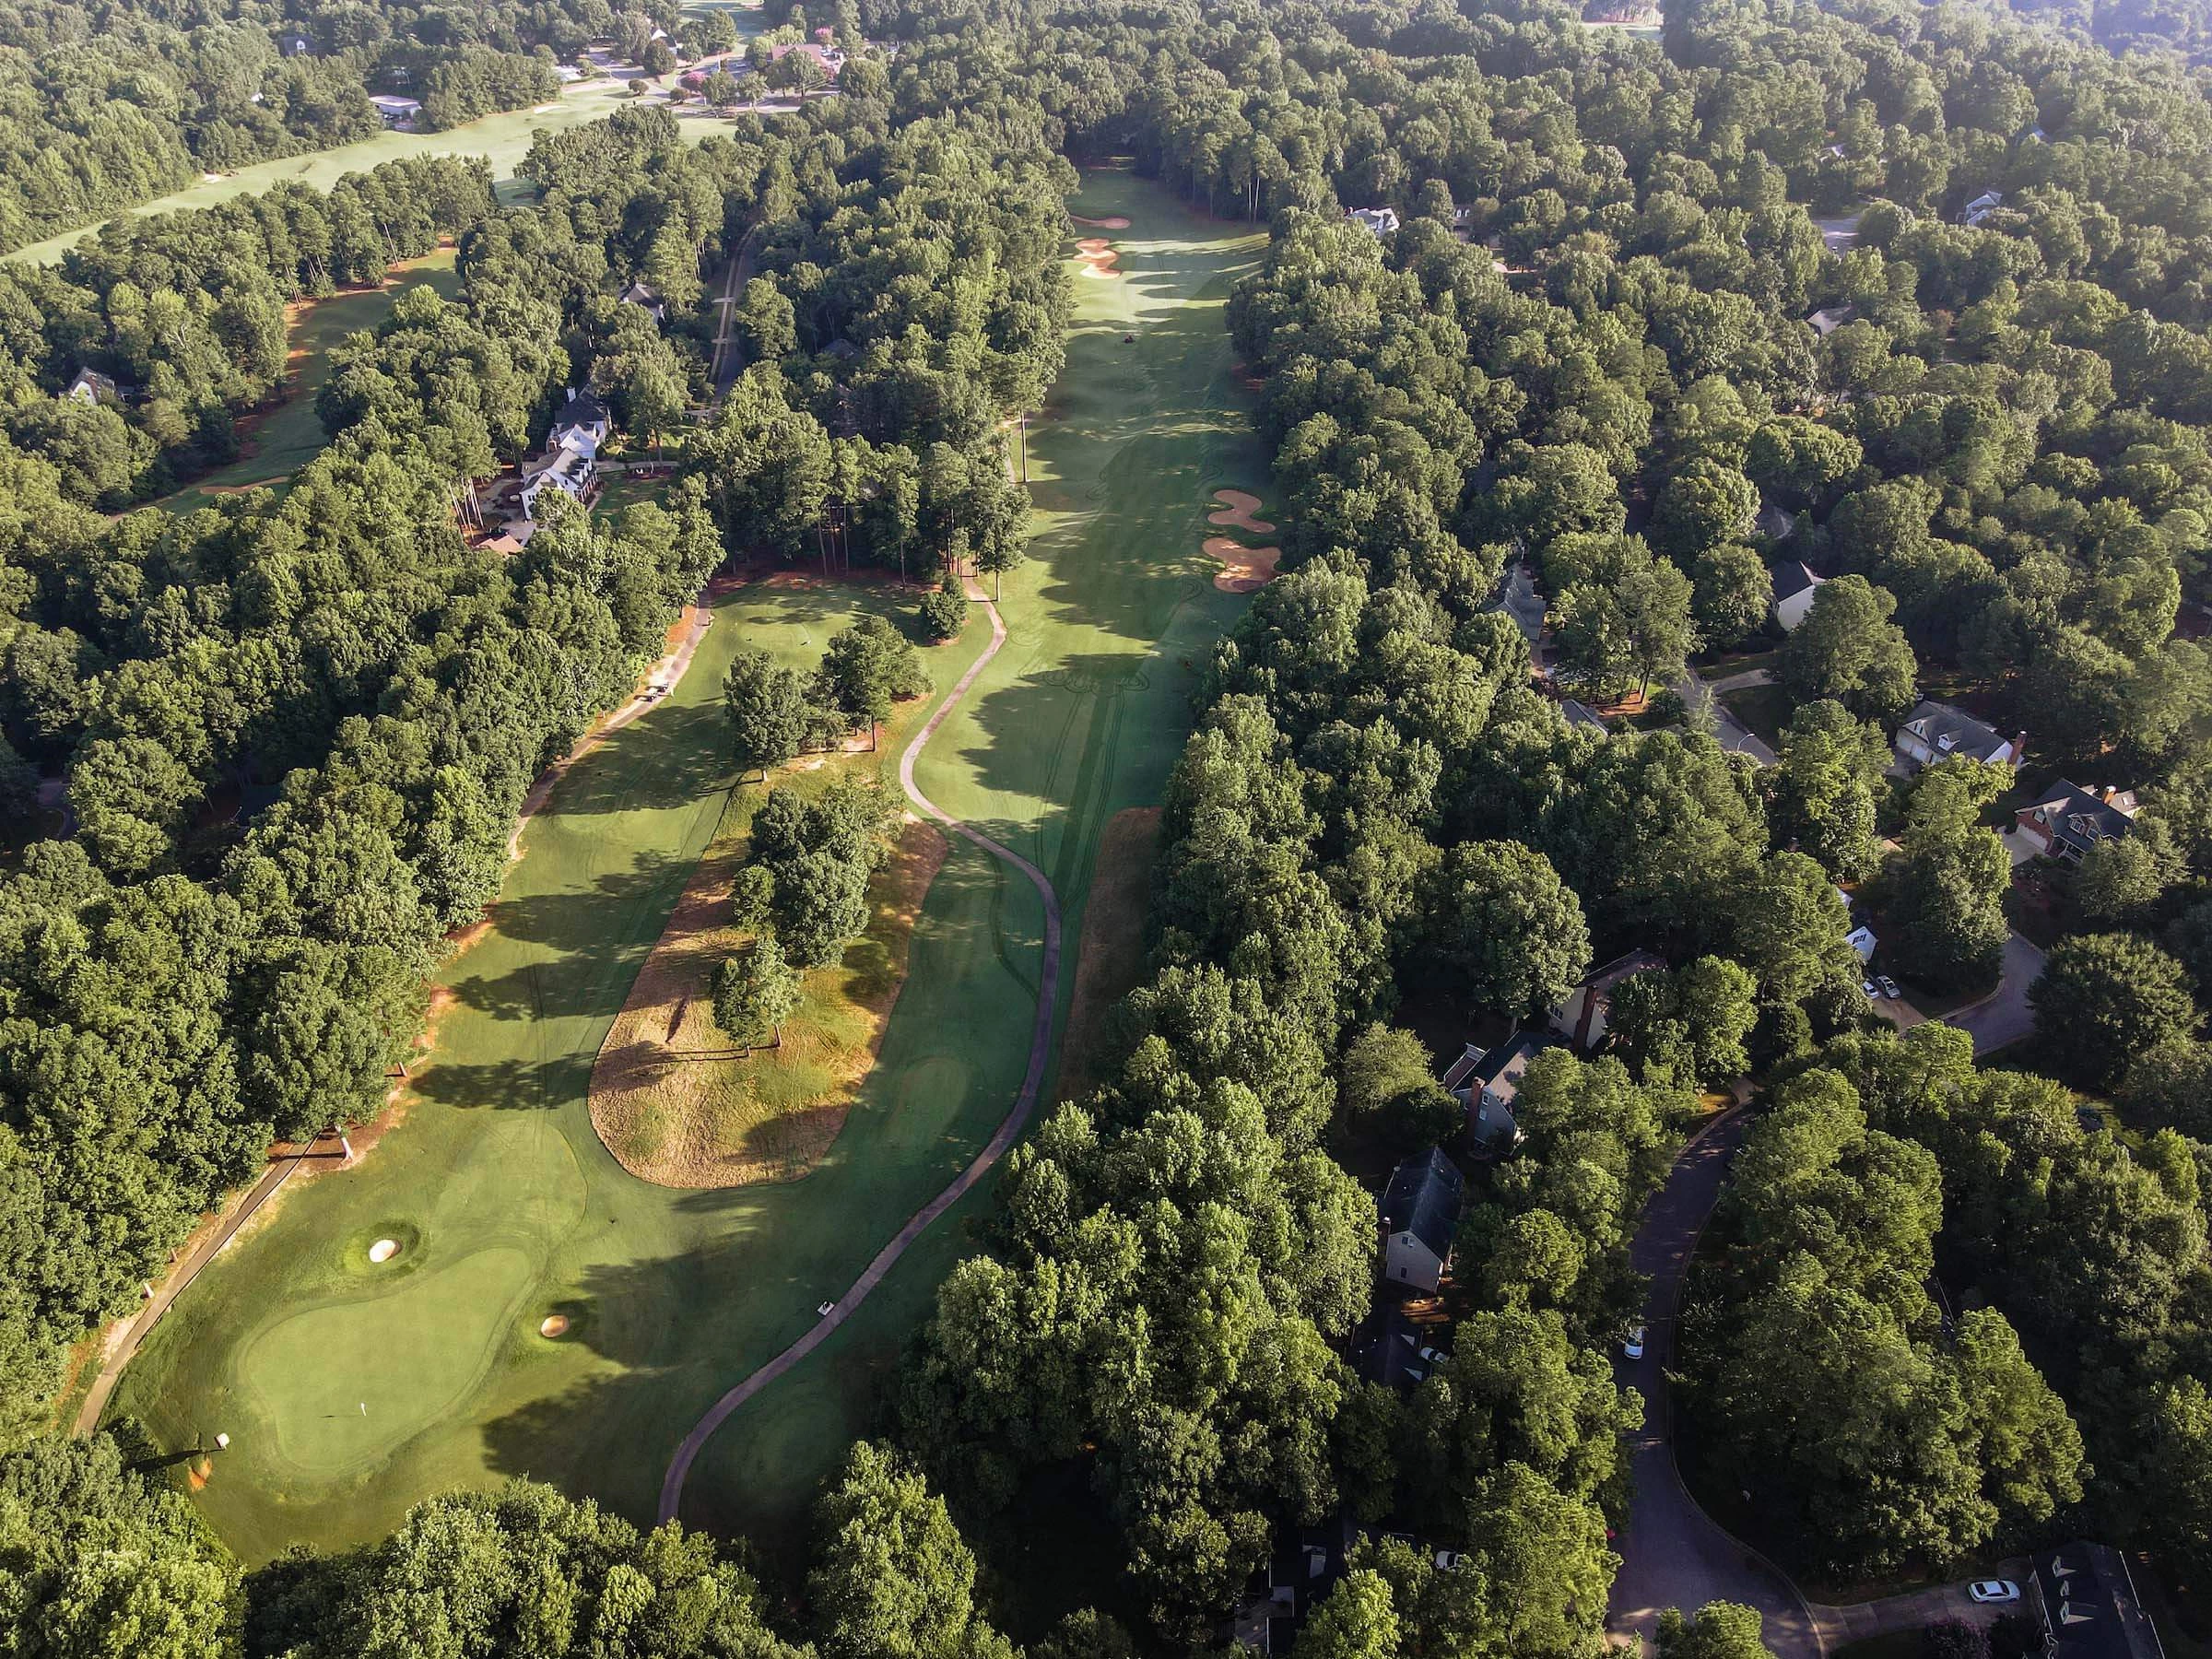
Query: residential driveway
<point x="1914" y="1610"/>
<point x="1735" y="736"/>
<point x="2004" y="1015"/>
<point x="1672" y="1556"/>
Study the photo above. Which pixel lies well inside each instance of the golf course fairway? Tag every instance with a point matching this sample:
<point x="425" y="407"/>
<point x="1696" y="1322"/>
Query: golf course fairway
<point x="351" y="1388"/>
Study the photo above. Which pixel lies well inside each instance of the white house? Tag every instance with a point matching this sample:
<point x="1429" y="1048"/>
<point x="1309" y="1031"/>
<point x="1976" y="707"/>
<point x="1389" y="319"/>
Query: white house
<point x="1860" y="939"/>
<point x="1585" y="1015"/>
<point x="1936" y="732"/>
<point x="1794" y="586"/>
<point x="1376" y="221"/>
<point x="1420" y="1214"/>
<point x="397" y="111"/>
<point x="1978" y="211"/>
<point x="571" y="457"/>
<point x="91" y="385"/>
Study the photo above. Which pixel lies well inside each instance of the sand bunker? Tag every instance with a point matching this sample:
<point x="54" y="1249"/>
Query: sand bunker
<point x="1111" y="222"/>
<point x="384" y="1250"/>
<point x="1237" y="510"/>
<point x="1243" y="569"/>
<point x="553" y="1325"/>
<point x="1098" y="256"/>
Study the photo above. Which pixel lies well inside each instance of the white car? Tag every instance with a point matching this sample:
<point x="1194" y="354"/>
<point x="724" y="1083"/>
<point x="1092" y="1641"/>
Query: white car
<point x="1633" y="1347"/>
<point x="1993" y="1589"/>
<point x="1888" y="988"/>
<point x="1871" y="989"/>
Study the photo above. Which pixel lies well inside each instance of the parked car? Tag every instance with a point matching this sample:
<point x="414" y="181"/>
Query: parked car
<point x="1993" y="1589"/>
<point x="1633" y="1346"/>
<point x="1888" y="988"/>
<point x="1871" y="989"/>
<point x="1447" y="1560"/>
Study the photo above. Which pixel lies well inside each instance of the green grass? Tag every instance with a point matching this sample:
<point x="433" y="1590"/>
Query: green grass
<point x="677" y="1295"/>
<point x="1763" y="709"/>
<point x="503" y="140"/>
<point x="284" y="438"/>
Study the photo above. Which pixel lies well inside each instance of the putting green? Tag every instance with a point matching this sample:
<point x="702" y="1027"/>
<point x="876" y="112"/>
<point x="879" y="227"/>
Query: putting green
<point x="674" y="1294"/>
<point x="313" y="1373"/>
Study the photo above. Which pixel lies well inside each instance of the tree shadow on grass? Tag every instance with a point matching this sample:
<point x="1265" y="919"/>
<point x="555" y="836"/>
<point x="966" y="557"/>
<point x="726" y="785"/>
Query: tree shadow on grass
<point x="673" y="753"/>
<point x="600" y="933"/>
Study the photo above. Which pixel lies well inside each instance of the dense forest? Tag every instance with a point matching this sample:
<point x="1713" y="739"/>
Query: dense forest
<point x="1588" y="348"/>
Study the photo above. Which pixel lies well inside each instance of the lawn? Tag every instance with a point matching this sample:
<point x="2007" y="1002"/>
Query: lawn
<point x="278" y="441"/>
<point x="1765" y="710"/>
<point x="508" y="1208"/>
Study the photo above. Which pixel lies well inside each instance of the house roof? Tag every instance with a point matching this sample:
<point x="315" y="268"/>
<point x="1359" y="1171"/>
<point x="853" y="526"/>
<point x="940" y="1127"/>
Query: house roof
<point x="1582" y="714"/>
<point x="1621" y="967"/>
<point x="1423" y="1199"/>
<point x="640" y="293"/>
<point x="92" y="380"/>
<point x="2082" y="817"/>
<point x="391" y="103"/>
<point x="1951" y="731"/>
<point x="2089" y="1604"/>
<point x="1774" y="523"/>
<point x="1381" y="220"/>
<point x="584" y="407"/>
<point x="1392" y="1353"/>
<point x="1826" y="320"/>
<point x="1498" y="1072"/>
<point x="1792" y="579"/>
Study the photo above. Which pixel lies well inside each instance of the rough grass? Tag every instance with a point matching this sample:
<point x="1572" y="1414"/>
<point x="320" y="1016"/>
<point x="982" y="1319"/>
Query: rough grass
<point x="1113" y="956"/>
<point x="677" y="1104"/>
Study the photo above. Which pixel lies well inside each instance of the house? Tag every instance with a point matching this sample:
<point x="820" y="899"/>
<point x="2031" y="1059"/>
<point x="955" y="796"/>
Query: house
<point x="1393" y="1351"/>
<point x="399" y="113"/>
<point x="1375" y="221"/>
<point x="568" y="74"/>
<point x="829" y="57"/>
<point x="1977" y="212"/>
<point x="1830" y="318"/>
<point x="292" y="43"/>
<point x="2087" y="1597"/>
<point x="580" y="412"/>
<point x="1305" y="1566"/>
<point x="1774" y="523"/>
<point x="1489" y="1084"/>
<point x="1420" y="1213"/>
<point x="2070" y="820"/>
<point x="1794" y="586"/>
<point x="641" y="295"/>
<point x="1936" y="732"/>
<point x="1583" y="1018"/>
<point x="1862" y="941"/>
<point x="1463" y="223"/>
<point x="91" y="386"/>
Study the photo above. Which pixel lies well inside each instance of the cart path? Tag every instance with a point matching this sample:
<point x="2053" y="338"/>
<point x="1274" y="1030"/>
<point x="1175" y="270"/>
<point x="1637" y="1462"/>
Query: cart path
<point x="1010" y="1131"/>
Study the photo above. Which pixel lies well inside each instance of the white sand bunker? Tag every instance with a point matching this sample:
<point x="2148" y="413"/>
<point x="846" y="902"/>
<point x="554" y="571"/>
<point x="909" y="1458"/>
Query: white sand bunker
<point x="384" y="1250"/>
<point x="552" y="1326"/>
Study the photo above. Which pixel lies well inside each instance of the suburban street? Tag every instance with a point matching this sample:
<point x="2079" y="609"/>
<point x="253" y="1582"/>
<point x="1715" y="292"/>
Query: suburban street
<point x="2004" y="1015"/>
<point x="1672" y="1554"/>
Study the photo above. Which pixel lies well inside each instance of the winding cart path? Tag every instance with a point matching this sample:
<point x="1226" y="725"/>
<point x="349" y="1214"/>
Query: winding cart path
<point x="1010" y="1130"/>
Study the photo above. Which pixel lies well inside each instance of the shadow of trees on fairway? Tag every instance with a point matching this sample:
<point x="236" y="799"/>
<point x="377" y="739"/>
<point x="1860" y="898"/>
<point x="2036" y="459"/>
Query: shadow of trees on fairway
<point x="600" y="933"/>
<point x="672" y="754"/>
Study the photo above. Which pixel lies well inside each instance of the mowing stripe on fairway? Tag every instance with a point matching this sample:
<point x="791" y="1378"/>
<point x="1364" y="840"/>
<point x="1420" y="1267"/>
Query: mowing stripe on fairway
<point x="1040" y="1042"/>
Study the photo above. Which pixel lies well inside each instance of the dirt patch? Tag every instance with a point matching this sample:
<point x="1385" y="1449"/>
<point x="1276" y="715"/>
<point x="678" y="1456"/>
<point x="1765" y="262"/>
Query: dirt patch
<point x="1113" y="956"/>
<point x="1236" y="510"/>
<point x="1243" y="569"/>
<point x="678" y="1105"/>
<point x="1113" y="221"/>
<point x="1098" y="255"/>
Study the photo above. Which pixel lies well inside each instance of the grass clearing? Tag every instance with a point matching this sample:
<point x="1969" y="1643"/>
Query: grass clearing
<point x="673" y="1294"/>
<point x="1764" y="709"/>
<point x="279" y="439"/>
<point x="675" y="1102"/>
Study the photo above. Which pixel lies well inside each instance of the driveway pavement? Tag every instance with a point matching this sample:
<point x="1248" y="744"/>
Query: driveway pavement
<point x="1672" y="1554"/>
<point x="2004" y="1015"/>
<point x="1735" y="737"/>
<point x="1914" y="1610"/>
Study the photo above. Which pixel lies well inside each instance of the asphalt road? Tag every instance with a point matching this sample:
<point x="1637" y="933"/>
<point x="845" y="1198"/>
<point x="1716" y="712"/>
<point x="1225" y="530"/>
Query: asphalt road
<point x="2004" y="1015"/>
<point x="1672" y="1555"/>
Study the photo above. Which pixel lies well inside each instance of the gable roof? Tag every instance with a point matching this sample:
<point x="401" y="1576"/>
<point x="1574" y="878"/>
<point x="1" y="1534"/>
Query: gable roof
<point x="1793" y="579"/>
<point x="1392" y="1353"/>
<point x="2091" y="1606"/>
<point x="1423" y="1199"/>
<point x="1950" y="730"/>
<point x="584" y="407"/>
<point x="2082" y="817"/>
<point x="1498" y="1072"/>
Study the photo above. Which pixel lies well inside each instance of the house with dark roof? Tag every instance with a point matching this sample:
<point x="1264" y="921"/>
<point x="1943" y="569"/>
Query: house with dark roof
<point x="1582" y="714"/>
<point x="1794" y="585"/>
<point x="2068" y="821"/>
<point x="91" y="386"/>
<point x="1421" y="1215"/>
<point x="1583" y="1017"/>
<point x="641" y="295"/>
<point x="1393" y="1350"/>
<point x="1488" y="1083"/>
<point x="2087" y="1597"/>
<point x="1937" y="730"/>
